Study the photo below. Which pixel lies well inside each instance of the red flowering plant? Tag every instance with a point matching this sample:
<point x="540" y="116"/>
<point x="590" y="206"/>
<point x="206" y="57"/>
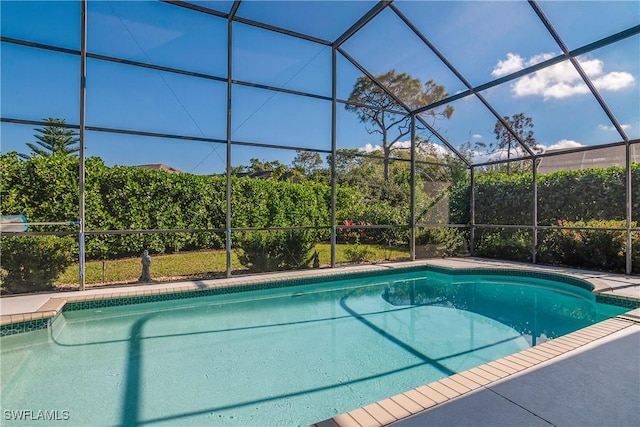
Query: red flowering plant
<point x="354" y="234"/>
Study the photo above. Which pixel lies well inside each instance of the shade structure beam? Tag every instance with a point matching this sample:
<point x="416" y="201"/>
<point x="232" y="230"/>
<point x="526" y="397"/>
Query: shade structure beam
<point x="372" y="13"/>
<point x="228" y="189"/>
<point x="403" y="105"/>
<point x="576" y="64"/>
<point x="234" y="8"/>
<point x="334" y="150"/>
<point x="81" y="140"/>
<point x="232" y="16"/>
<point x="459" y="75"/>
<point x="629" y="32"/>
<point x="199" y="8"/>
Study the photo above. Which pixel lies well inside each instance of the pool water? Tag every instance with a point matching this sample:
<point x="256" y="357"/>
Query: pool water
<point x="279" y="357"/>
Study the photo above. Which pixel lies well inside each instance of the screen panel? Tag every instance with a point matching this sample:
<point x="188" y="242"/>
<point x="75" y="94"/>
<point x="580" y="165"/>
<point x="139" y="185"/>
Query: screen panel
<point x="158" y="33"/>
<point x="30" y="75"/>
<point x="55" y="23"/>
<point x="284" y="61"/>
<point x="127" y="97"/>
<point x="269" y="117"/>
<point x="582" y="186"/>
<point x="473" y="35"/>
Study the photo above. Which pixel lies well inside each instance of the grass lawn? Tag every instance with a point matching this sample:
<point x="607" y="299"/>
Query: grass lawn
<point x="198" y="265"/>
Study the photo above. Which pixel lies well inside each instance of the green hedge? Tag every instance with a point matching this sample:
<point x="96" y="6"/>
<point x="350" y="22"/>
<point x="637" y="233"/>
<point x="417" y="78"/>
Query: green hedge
<point x="32" y="263"/>
<point x="589" y="247"/>
<point x="579" y="195"/>
<point x="132" y="198"/>
<point x="581" y="198"/>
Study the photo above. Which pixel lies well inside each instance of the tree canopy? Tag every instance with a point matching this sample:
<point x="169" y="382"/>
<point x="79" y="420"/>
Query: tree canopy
<point x="54" y="138"/>
<point x="381" y="112"/>
<point x="506" y="142"/>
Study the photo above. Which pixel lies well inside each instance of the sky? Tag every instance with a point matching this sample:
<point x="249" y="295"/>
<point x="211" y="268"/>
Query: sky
<point x="482" y="40"/>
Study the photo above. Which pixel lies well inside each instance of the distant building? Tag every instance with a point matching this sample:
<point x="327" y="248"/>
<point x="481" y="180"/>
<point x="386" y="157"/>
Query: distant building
<point x="160" y="167"/>
<point x="599" y="158"/>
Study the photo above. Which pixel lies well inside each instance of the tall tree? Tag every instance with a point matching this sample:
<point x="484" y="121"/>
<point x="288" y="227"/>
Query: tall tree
<point x="522" y="126"/>
<point x="54" y="138"/>
<point x="392" y="127"/>
<point x="276" y="168"/>
<point x="506" y="141"/>
<point x="308" y="162"/>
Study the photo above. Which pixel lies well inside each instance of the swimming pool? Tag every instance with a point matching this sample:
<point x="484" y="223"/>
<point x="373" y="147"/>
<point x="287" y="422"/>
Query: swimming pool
<point x="284" y="356"/>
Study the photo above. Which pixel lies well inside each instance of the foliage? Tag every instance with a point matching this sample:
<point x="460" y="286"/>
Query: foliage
<point x="54" y="138"/>
<point x="597" y="193"/>
<point x="266" y="203"/>
<point x="42" y="188"/>
<point x="588" y="247"/>
<point x="132" y="198"/>
<point x="507" y="244"/>
<point x="390" y="126"/>
<point x="357" y="253"/>
<point x="448" y="238"/>
<point x="273" y="250"/>
<point x="381" y="213"/>
<point x="518" y="128"/>
<point x="503" y="198"/>
<point x="307" y="163"/>
<point x="31" y="264"/>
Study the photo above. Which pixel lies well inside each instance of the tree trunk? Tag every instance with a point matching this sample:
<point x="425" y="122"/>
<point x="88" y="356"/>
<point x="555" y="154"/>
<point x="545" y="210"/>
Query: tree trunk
<point x="387" y="153"/>
<point x="386" y="150"/>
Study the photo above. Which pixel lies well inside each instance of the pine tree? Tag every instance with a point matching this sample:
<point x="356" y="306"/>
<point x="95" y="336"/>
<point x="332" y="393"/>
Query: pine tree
<point x="381" y="119"/>
<point x="54" y="138"/>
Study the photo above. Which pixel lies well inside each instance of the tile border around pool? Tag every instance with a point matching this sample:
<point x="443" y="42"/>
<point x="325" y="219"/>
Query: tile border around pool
<point x="428" y="396"/>
<point x="48" y="312"/>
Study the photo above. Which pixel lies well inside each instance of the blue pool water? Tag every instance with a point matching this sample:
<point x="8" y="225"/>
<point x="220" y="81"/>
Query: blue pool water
<point x="279" y="357"/>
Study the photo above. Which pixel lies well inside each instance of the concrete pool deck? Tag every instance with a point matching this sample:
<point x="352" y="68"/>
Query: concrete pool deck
<point x="589" y="377"/>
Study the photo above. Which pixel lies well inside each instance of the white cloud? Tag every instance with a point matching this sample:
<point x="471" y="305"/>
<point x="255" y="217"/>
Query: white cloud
<point x="614" y="81"/>
<point x="476" y="136"/>
<point x="612" y="128"/>
<point x="563" y="144"/>
<point x="560" y="80"/>
<point x="369" y="148"/>
<point x="426" y="147"/>
<point x="510" y="65"/>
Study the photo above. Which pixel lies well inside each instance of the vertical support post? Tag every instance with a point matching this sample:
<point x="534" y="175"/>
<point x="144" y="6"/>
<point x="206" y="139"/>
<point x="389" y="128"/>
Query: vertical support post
<point x="228" y="174"/>
<point x="81" y="135"/>
<point x="472" y="203"/>
<point x="629" y="201"/>
<point x="412" y="233"/>
<point x="334" y="108"/>
<point x="534" y="237"/>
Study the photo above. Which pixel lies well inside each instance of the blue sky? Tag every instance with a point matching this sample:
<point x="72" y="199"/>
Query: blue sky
<point x="483" y="40"/>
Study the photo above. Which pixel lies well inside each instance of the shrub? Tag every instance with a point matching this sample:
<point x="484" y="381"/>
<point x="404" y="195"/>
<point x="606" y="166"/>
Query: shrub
<point x="31" y="264"/>
<point x="450" y="239"/>
<point x="381" y="213"/>
<point x="588" y="247"/>
<point x="505" y="244"/>
<point x="358" y="253"/>
<point x="596" y="193"/>
<point x="272" y="250"/>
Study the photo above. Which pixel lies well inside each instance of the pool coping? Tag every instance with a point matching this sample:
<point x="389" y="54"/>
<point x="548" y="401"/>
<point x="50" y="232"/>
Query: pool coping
<point x="428" y="396"/>
<point x="44" y="316"/>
